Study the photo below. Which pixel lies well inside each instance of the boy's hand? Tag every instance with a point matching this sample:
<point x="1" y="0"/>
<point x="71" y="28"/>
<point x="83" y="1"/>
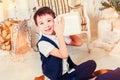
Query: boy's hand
<point x="59" y="26"/>
<point x="59" y="29"/>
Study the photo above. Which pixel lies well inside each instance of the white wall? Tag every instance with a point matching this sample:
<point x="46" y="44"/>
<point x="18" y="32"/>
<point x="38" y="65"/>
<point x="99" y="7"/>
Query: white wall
<point x="93" y="7"/>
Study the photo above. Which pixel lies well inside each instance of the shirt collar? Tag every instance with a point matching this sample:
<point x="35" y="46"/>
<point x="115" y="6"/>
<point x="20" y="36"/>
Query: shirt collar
<point x="49" y="36"/>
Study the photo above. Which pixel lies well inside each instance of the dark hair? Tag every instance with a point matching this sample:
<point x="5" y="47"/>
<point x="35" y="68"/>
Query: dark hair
<point x="43" y="10"/>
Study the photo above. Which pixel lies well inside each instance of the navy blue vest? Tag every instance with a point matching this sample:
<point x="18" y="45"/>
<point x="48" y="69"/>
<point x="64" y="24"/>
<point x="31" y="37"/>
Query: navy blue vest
<point x="51" y="65"/>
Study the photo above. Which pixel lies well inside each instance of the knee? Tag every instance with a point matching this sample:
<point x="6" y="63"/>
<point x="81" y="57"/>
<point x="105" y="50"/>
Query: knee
<point x="92" y="62"/>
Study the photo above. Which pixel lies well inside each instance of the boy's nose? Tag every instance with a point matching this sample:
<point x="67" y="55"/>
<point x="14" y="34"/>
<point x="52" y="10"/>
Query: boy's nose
<point x="46" y="25"/>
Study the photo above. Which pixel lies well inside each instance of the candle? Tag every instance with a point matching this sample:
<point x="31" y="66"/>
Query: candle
<point x="11" y="11"/>
<point x="22" y="9"/>
<point x="1" y="12"/>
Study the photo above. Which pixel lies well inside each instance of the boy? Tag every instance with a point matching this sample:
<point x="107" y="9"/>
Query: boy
<point x="56" y="63"/>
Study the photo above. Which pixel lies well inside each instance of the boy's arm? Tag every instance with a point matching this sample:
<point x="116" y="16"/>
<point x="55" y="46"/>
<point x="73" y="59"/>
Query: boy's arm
<point x="62" y="52"/>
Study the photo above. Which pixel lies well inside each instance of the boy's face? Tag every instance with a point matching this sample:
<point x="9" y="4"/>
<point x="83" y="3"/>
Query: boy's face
<point x="46" y="24"/>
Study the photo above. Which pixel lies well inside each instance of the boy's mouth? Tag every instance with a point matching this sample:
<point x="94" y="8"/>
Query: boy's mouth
<point x="48" y="30"/>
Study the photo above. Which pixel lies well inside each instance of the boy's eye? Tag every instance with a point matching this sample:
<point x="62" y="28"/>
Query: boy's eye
<point x="41" y="23"/>
<point x="49" y="20"/>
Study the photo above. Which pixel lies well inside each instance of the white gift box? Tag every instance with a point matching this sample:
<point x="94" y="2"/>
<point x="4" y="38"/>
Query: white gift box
<point x="72" y="23"/>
